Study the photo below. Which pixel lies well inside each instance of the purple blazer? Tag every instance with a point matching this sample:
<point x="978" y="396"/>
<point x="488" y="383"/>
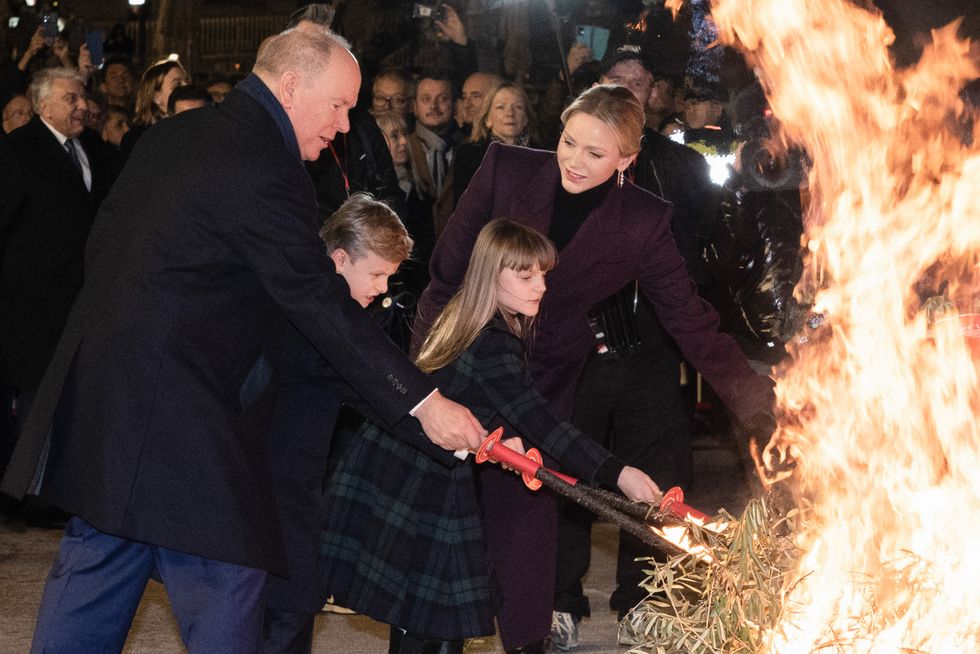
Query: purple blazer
<point x="627" y="237"/>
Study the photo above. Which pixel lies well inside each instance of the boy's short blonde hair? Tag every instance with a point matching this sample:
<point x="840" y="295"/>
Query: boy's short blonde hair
<point x="362" y="225"/>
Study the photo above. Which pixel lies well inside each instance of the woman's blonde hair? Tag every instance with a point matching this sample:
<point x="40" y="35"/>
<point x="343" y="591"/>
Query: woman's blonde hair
<point x="480" y="130"/>
<point x="147" y="112"/>
<point x="618" y="108"/>
<point x="501" y="244"/>
<point x="389" y="120"/>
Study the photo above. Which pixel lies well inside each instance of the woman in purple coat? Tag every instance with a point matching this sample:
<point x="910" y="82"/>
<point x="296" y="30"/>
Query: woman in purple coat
<point x="608" y="232"/>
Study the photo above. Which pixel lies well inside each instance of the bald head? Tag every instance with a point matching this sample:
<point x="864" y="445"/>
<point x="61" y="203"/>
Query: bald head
<point x="475" y="89"/>
<point x="305" y="49"/>
<point x="315" y="78"/>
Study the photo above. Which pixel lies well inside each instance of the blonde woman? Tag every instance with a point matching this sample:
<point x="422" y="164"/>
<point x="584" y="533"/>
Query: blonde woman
<point x="609" y="232"/>
<point x="505" y="116"/>
<point x="152" y="93"/>
<point x="403" y="540"/>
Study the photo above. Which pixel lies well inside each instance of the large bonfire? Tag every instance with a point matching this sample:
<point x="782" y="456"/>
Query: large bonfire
<point x="879" y="408"/>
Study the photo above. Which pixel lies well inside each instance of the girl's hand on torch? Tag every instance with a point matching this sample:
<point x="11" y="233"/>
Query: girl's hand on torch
<point x="638" y="486"/>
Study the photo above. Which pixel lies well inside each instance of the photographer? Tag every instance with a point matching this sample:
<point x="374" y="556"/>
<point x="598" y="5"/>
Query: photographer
<point x="754" y="257"/>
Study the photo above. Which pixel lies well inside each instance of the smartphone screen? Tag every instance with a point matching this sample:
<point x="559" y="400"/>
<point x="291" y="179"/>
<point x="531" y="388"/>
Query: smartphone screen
<point x="49" y="21"/>
<point x="93" y="40"/>
<point x="596" y="38"/>
<point x="583" y="35"/>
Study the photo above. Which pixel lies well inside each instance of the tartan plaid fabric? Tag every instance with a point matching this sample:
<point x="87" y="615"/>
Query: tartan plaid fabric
<point x="403" y="540"/>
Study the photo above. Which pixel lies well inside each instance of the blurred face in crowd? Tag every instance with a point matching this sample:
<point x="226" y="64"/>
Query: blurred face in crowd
<point x="433" y="103"/>
<point x="389" y="94"/>
<point x="317" y="108"/>
<point x="175" y="77"/>
<point x="64" y="108"/>
<point x="588" y="153"/>
<point x="698" y="113"/>
<point x="475" y="89"/>
<point x="219" y="90"/>
<point x="16" y="113"/>
<point x="397" y="142"/>
<point x="118" y="84"/>
<point x="93" y="115"/>
<point x="632" y="75"/>
<point x="508" y="115"/>
<point x="115" y="127"/>
<point x="367" y="276"/>
<point x="662" y="97"/>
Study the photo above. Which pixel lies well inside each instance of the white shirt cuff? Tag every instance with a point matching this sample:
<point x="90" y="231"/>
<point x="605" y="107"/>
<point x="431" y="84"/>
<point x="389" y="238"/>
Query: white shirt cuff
<point x="424" y="400"/>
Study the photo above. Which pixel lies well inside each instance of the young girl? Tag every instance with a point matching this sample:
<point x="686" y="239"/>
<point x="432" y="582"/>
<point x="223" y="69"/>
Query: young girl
<point x="403" y="540"/>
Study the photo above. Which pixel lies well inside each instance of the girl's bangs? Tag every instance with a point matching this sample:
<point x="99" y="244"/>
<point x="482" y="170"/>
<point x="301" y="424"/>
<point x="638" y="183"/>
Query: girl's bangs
<point x="530" y="251"/>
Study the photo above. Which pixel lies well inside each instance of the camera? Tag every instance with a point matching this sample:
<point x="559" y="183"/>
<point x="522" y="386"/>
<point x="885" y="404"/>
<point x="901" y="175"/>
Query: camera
<point x="49" y="25"/>
<point x="434" y="11"/>
<point x="767" y="166"/>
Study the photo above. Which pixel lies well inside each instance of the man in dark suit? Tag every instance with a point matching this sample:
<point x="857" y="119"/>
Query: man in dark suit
<point x="48" y="201"/>
<point x="150" y="423"/>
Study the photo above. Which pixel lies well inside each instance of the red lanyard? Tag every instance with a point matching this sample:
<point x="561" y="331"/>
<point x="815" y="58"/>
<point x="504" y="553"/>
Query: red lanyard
<point x="343" y="173"/>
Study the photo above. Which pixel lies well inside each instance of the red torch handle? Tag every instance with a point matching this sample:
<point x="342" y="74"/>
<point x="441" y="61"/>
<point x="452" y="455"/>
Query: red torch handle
<point x="673" y="501"/>
<point x="490" y="452"/>
<point x="527" y="464"/>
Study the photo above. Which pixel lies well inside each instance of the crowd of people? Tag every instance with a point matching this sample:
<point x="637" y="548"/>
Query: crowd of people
<point x="196" y="281"/>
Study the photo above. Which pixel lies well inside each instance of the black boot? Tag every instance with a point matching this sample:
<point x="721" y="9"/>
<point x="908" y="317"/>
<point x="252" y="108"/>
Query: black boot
<point x="403" y="642"/>
<point x="539" y="647"/>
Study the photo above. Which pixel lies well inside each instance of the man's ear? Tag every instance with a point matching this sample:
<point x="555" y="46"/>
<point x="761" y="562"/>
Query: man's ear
<point x="288" y="83"/>
<point x="340" y="258"/>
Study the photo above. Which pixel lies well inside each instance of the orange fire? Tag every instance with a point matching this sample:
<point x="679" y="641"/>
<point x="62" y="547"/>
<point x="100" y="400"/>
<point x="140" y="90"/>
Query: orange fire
<point x="880" y="407"/>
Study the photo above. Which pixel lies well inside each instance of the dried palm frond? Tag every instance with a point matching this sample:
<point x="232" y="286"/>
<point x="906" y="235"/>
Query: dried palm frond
<point x="723" y="607"/>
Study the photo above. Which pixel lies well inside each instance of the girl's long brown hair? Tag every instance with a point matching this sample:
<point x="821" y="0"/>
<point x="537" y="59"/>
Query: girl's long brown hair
<point x="501" y="244"/>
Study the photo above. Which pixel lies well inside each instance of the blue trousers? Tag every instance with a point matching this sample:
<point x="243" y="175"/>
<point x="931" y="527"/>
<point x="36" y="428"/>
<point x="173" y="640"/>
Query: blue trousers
<point x="97" y="581"/>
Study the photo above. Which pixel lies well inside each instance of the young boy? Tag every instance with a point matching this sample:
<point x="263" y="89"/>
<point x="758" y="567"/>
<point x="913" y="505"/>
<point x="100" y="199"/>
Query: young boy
<point x="366" y="242"/>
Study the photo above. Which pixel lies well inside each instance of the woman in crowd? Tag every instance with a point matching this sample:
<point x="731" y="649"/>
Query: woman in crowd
<point x="403" y="540"/>
<point x="152" y="94"/>
<point x="608" y="232"/>
<point x="506" y="117"/>
<point x="418" y="212"/>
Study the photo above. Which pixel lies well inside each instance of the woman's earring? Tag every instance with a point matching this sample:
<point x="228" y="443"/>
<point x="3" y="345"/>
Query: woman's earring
<point x="619" y="180"/>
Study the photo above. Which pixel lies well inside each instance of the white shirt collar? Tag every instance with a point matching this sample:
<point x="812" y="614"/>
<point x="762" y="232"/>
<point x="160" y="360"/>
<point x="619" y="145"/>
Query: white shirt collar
<point x="58" y="135"/>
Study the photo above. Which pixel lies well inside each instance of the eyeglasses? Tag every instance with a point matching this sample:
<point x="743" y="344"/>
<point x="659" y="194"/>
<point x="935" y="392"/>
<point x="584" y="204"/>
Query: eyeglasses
<point x="392" y="101"/>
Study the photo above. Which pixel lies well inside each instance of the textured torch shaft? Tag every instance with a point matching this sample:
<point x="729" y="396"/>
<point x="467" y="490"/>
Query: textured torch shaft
<point x="625" y="522"/>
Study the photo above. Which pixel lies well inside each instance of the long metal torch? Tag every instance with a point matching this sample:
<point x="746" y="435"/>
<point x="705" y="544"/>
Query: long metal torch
<point x="636" y="518"/>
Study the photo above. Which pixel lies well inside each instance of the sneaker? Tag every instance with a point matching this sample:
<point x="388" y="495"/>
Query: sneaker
<point x="630" y="631"/>
<point x="564" y="630"/>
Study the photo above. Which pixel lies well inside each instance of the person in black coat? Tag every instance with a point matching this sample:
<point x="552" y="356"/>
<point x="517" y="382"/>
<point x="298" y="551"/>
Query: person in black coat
<point x="48" y="201"/>
<point x="150" y="425"/>
<point x="367" y="243"/>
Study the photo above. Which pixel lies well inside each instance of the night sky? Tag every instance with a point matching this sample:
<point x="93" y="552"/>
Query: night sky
<point x="908" y="17"/>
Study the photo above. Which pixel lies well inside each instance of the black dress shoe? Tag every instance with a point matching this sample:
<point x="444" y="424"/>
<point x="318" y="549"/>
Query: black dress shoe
<point x="46" y="517"/>
<point x="9" y="508"/>
<point x="539" y="647"/>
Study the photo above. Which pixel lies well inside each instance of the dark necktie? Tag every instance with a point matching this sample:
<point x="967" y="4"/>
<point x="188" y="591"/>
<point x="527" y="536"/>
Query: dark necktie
<point x="73" y="153"/>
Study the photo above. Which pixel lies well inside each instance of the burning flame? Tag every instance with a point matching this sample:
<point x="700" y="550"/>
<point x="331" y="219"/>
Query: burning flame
<point x="879" y="407"/>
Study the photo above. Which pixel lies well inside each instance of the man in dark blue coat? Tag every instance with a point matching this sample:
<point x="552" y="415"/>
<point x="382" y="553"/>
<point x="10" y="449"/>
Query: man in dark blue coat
<point x="144" y="426"/>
